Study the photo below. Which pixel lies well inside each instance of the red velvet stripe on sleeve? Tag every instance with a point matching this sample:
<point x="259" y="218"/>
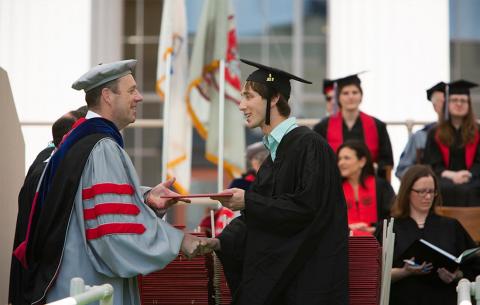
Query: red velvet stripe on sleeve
<point x="107" y="188"/>
<point x="110" y="208"/>
<point x="114" y="228"/>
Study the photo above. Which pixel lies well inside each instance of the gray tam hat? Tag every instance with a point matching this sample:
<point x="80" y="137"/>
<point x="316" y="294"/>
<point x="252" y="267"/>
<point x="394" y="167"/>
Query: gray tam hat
<point x="103" y="73"/>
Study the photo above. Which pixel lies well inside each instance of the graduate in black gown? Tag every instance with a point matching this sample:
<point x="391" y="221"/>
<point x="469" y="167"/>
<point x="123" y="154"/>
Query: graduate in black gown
<point x="290" y="246"/>
<point x="25" y="199"/>
<point x="452" y="148"/>
<point x="415" y="218"/>
<point x="349" y="123"/>
<point x="369" y="198"/>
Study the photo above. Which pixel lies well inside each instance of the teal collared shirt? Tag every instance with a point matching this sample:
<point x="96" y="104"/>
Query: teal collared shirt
<point x="272" y="140"/>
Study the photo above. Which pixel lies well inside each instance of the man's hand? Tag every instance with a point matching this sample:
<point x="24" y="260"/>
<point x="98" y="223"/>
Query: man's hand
<point x="155" y="201"/>
<point x="193" y="245"/>
<point x="190" y="245"/>
<point x="208" y="245"/>
<point x="234" y="203"/>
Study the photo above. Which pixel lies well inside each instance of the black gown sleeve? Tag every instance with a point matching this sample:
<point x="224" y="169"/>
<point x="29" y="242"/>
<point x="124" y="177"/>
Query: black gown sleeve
<point x="287" y="213"/>
<point x="232" y="243"/>
<point x="432" y="155"/>
<point x="385" y="153"/>
<point x="385" y="197"/>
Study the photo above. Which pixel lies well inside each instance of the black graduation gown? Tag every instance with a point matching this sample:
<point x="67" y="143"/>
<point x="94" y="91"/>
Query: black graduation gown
<point x="448" y="234"/>
<point x="385" y="197"/>
<point x="385" y="154"/>
<point x="467" y="194"/>
<point x="290" y="246"/>
<point x="25" y="200"/>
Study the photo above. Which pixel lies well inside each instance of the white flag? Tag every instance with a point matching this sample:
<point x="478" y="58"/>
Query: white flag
<point x="216" y="40"/>
<point x="173" y="40"/>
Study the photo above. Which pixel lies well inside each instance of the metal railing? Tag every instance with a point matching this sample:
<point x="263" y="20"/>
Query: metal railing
<point x="158" y="123"/>
<point x="466" y="290"/>
<point x="80" y="294"/>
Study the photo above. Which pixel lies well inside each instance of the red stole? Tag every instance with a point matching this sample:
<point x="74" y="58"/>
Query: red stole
<point x="470" y="151"/>
<point x="370" y="133"/>
<point x="366" y="208"/>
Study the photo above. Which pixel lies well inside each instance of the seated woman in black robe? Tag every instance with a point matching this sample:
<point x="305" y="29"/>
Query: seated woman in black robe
<point x="351" y="123"/>
<point x="368" y="198"/>
<point x="415" y="218"/>
<point x="452" y="149"/>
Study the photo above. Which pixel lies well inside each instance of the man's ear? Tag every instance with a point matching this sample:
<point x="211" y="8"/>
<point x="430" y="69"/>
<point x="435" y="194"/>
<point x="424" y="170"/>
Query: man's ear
<point x="107" y="95"/>
<point x="274" y="100"/>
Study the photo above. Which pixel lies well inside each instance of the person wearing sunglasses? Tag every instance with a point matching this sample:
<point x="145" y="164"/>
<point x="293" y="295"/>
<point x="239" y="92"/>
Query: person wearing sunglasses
<point x="329" y="94"/>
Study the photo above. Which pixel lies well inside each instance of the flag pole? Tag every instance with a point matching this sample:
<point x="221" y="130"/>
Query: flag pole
<point x="166" y="113"/>
<point x="221" y="124"/>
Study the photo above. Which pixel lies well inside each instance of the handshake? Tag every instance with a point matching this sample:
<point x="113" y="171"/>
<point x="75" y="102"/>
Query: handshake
<point x="193" y="246"/>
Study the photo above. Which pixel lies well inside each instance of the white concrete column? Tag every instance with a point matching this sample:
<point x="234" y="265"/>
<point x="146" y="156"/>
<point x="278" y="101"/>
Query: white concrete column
<point x="12" y="167"/>
<point x="107" y="31"/>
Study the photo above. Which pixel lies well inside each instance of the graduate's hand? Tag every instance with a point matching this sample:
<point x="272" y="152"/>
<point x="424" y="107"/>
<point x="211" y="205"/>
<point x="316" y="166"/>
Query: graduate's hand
<point x="234" y="203"/>
<point x="465" y="175"/>
<point x="191" y="245"/>
<point x="209" y="245"/>
<point x="155" y="201"/>
<point x="447" y="277"/>
<point x="457" y="177"/>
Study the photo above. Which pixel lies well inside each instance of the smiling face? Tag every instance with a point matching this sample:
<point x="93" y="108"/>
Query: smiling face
<point x="124" y="101"/>
<point x="350" y="97"/>
<point x="349" y="164"/>
<point x="253" y="107"/>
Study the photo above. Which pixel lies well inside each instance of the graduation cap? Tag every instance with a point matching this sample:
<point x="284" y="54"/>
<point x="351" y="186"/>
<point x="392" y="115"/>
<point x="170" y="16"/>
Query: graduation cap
<point x="457" y="87"/>
<point x="348" y="80"/>
<point x="439" y="87"/>
<point x="460" y="87"/>
<point x="273" y="78"/>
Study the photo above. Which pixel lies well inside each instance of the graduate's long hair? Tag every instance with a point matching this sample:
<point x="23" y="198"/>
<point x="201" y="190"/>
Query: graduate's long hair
<point x="361" y="151"/>
<point x="401" y="206"/>
<point x="446" y="133"/>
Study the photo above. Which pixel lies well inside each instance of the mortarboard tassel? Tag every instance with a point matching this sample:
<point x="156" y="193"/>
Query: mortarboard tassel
<point x="267" y="114"/>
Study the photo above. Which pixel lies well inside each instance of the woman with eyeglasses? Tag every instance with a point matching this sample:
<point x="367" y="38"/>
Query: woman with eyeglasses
<point x="415" y="218"/>
<point x="452" y="148"/>
<point x="349" y="123"/>
<point x="369" y="198"/>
